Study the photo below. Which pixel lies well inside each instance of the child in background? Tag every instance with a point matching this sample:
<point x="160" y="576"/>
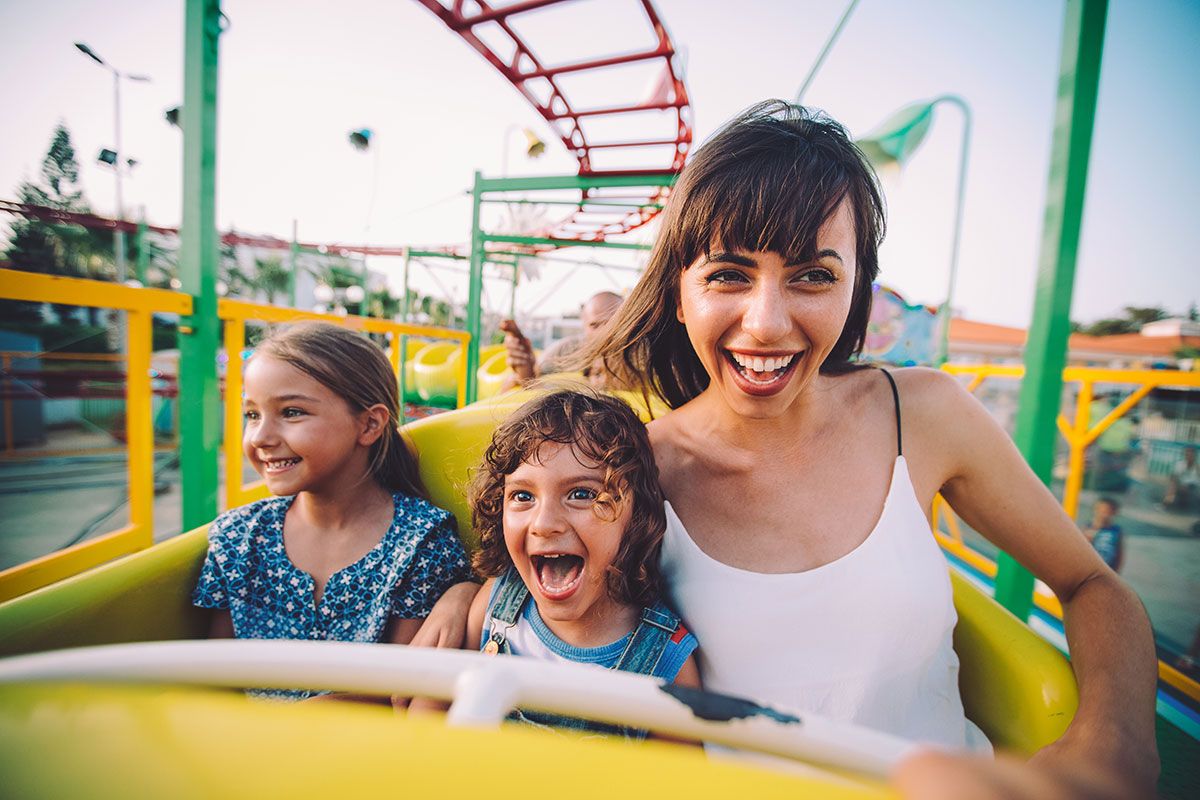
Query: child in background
<point x="349" y="549"/>
<point x="570" y="517"/>
<point x="1105" y="534"/>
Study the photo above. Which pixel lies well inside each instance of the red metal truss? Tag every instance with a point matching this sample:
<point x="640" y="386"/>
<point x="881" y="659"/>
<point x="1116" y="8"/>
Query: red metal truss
<point x="463" y="16"/>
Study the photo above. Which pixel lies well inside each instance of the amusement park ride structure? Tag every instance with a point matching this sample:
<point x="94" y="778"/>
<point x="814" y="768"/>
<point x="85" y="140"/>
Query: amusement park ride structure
<point x="514" y="58"/>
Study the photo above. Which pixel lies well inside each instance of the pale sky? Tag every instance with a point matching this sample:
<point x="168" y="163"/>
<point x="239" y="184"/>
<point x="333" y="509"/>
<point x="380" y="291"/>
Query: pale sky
<point x="297" y="76"/>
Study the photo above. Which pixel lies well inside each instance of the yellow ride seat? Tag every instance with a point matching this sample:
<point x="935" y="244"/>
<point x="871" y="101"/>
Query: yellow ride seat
<point x="1017" y="687"/>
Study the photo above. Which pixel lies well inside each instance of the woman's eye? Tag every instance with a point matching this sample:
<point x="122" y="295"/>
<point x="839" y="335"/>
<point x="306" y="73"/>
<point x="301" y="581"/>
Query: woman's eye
<point x="818" y="276"/>
<point x="581" y="493"/>
<point x="726" y="276"/>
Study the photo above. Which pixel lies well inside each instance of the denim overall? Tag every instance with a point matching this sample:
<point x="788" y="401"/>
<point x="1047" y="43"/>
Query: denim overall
<point x="641" y="655"/>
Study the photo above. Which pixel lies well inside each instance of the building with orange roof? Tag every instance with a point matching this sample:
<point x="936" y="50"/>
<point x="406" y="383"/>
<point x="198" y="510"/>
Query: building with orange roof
<point x="1156" y="345"/>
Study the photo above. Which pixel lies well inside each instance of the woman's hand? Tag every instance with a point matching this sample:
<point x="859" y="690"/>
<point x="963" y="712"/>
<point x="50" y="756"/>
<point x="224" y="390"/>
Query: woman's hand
<point x="1055" y="773"/>
<point x="446" y="625"/>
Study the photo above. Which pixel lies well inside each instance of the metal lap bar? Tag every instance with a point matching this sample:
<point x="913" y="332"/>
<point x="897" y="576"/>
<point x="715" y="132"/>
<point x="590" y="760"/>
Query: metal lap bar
<point x="139" y="306"/>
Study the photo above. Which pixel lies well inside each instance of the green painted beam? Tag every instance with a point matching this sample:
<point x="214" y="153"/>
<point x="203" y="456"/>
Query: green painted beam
<point x="475" y="290"/>
<point x="1046" y="349"/>
<point x="583" y="202"/>
<point x="550" y="182"/>
<point x="494" y="237"/>
<point x="143" y="252"/>
<point x="436" y="254"/>
<point x="199" y="393"/>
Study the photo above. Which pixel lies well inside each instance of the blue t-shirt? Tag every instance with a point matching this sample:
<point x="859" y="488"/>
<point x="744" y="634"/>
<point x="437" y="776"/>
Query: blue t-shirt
<point x="248" y="571"/>
<point x="1107" y="542"/>
<point x="547" y="644"/>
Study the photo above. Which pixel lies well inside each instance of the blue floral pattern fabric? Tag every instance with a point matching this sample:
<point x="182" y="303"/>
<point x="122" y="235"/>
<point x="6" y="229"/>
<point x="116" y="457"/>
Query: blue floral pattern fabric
<point x="248" y="571"/>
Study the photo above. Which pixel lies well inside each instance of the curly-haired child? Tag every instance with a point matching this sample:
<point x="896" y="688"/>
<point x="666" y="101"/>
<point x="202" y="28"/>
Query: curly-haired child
<point x="570" y="518"/>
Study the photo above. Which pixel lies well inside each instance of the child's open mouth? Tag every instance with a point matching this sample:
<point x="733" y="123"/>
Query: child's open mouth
<point x="558" y="574"/>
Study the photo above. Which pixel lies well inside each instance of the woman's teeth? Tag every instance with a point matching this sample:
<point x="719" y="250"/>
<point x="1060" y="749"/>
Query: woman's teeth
<point x="762" y="366"/>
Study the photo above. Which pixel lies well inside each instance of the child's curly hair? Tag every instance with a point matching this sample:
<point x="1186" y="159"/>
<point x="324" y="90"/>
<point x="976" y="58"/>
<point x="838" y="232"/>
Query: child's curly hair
<point x="603" y="430"/>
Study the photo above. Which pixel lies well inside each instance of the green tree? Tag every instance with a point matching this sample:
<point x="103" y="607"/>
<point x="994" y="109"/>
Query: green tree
<point x="1132" y="321"/>
<point x="1110" y="326"/>
<point x="383" y="304"/>
<point x="35" y="245"/>
<point x="271" y="277"/>
<point x="1139" y="316"/>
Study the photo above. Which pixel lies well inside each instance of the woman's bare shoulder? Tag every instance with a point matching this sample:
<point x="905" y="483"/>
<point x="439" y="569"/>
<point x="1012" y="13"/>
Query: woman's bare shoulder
<point x="927" y="393"/>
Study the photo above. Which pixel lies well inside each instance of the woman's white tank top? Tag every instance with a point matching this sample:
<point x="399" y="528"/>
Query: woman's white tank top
<point x="867" y="638"/>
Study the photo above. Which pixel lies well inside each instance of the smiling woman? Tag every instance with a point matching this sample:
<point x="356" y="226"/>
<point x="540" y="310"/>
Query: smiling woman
<point x="798" y="482"/>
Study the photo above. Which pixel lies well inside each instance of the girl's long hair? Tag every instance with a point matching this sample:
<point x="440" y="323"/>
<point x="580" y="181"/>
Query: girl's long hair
<point x="766" y="181"/>
<point x="355" y="369"/>
<point x="605" y="431"/>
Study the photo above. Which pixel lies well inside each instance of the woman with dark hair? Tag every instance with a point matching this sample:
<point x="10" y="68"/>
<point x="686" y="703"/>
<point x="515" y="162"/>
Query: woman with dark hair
<point x="798" y="482"/>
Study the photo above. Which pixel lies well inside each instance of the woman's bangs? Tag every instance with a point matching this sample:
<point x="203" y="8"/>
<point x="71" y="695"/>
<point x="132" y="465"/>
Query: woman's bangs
<point x="759" y="208"/>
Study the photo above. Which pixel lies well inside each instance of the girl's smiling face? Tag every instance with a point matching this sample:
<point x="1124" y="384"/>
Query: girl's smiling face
<point x="560" y="541"/>
<point x="299" y="435"/>
<point x="763" y="326"/>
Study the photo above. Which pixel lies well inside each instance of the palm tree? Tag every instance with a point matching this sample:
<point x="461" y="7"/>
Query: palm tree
<point x="271" y="277"/>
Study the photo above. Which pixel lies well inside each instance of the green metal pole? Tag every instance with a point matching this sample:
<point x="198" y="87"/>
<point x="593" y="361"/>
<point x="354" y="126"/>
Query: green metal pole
<point x="199" y="393"/>
<point x="404" y="339"/>
<point x="475" y="294"/>
<point x="143" y="253"/>
<point x="293" y="264"/>
<point x="404" y="277"/>
<point x="512" y="302"/>
<point x="946" y="311"/>
<point x="1046" y="349"/>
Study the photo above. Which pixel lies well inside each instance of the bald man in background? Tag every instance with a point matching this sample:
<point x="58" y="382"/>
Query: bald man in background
<point x="522" y="366"/>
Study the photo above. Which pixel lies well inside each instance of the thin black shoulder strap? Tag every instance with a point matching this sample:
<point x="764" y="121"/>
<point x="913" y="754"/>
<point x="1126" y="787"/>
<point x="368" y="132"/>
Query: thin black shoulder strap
<point x="896" y="398"/>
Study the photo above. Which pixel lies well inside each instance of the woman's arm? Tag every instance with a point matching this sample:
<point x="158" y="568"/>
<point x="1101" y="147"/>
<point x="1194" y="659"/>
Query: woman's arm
<point x="474" y="626"/>
<point x="987" y="482"/>
<point x="446" y="623"/>
<point x="689" y="674"/>
<point x="221" y="624"/>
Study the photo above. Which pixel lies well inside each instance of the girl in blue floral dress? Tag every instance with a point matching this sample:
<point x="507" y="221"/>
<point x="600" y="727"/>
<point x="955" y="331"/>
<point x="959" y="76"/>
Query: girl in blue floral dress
<point x="349" y="548"/>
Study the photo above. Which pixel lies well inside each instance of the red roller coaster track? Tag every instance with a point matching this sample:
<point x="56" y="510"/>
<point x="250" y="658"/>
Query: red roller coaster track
<point x="526" y="72"/>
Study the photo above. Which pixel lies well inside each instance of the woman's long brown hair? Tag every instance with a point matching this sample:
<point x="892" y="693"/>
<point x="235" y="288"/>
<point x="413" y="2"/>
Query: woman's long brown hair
<point x="766" y="181"/>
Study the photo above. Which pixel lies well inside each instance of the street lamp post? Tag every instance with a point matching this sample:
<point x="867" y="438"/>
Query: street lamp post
<point x="534" y="146"/>
<point x="894" y="142"/>
<point x="362" y="141"/>
<point x="119" y="234"/>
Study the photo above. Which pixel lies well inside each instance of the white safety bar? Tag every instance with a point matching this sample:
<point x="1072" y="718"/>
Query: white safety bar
<point x="484" y="689"/>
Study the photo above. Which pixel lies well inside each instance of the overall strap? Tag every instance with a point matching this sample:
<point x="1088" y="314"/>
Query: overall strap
<point x="896" y="398"/>
<point x="648" y="642"/>
<point x="511" y="594"/>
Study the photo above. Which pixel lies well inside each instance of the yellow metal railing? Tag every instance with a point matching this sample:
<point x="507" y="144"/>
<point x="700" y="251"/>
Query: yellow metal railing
<point x="235" y="314"/>
<point x="6" y="362"/>
<point x="1079" y="435"/>
<point x="139" y="306"/>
